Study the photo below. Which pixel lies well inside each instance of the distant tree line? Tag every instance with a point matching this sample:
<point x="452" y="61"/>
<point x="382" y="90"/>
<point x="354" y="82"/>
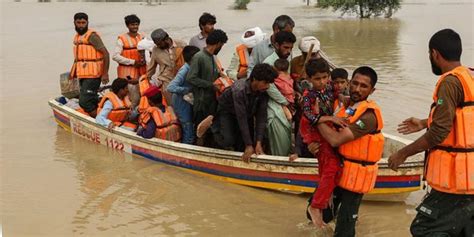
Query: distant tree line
<point x="363" y="8"/>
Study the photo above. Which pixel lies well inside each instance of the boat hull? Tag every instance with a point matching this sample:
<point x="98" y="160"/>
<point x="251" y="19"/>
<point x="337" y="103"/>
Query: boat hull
<point x="269" y="172"/>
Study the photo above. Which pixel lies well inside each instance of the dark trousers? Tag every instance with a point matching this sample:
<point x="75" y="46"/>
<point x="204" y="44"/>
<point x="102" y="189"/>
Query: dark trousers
<point x="226" y="132"/>
<point x="345" y="210"/>
<point x="88" y="98"/>
<point x="443" y="214"/>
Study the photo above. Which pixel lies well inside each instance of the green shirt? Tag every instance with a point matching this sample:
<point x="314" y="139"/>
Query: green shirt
<point x="202" y="73"/>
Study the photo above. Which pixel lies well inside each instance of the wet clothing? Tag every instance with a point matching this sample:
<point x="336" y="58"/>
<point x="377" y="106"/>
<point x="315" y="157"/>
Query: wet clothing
<point x="317" y="104"/>
<point x="239" y="109"/>
<point x="444" y="214"/>
<point x="184" y="110"/>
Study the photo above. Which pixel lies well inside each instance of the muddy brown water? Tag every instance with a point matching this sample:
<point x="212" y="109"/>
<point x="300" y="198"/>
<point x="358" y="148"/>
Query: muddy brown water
<point x="56" y="184"/>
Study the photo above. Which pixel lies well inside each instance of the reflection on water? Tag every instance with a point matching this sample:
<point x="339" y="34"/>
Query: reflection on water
<point x="57" y="184"/>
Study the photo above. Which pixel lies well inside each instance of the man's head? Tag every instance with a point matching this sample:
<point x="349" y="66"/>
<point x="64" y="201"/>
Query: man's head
<point x="81" y="22"/>
<point x="445" y="46"/>
<point x="339" y="78"/>
<point x="281" y="65"/>
<point x="120" y="87"/>
<point x="362" y="83"/>
<point x="215" y="40"/>
<point x="318" y="71"/>
<point x="161" y="39"/>
<point x="188" y="53"/>
<point x="133" y="23"/>
<point x="261" y="77"/>
<point x="252" y="37"/>
<point x="154" y="96"/>
<point x="284" y="43"/>
<point x="305" y="45"/>
<point x="283" y="23"/>
<point x="207" y="22"/>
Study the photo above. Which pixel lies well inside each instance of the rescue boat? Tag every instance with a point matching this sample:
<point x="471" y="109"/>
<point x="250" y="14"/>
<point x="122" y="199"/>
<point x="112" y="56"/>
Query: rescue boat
<point x="263" y="171"/>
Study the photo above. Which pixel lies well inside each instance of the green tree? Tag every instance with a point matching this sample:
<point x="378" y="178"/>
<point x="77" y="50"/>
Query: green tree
<point x="363" y="8"/>
<point x="241" y="4"/>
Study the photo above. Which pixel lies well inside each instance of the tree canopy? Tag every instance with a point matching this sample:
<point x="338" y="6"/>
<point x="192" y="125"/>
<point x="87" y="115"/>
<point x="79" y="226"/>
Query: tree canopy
<point x="363" y="8"/>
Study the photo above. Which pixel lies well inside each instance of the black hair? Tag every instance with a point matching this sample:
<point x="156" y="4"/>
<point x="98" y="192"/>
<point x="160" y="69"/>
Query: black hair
<point x="206" y="18"/>
<point x="339" y="73"/>
<point x="156" y="99"/>
<point x="448" y="43"/>
<point x="284" y="37"/>
<point x="119" y="84"/>
<point x="263" y="72"/>
<point x="281" y="64"/>
<point x="188" y="52"/>
<point x="282" y="21"/>
<point x="81" y="15"/>
<point x="316" y="65"/>
<point x="216" y="36"/>
<point x="367" y="71"/>
<point x="130" y="19"/>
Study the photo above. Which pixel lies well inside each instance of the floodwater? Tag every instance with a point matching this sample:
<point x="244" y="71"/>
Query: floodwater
<point x="56" y="184"/>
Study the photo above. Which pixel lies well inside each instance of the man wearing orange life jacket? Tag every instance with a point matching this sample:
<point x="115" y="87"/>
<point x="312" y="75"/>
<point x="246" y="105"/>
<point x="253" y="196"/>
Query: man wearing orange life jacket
<point x="158" y="120"/>
<point x="115" y="107"/>
<point x="131" y="64"/>
<point x="448" y="209"/>
<point x="91" y="63"/>
<point x="364" y="124"/>
<point x="240" y="60"/>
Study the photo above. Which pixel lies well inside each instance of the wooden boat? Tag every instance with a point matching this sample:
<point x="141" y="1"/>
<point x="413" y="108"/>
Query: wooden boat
<point x="264" y="171"/>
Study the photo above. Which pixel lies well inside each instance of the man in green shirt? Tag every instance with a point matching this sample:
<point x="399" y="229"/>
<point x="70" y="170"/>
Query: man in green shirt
<point x="201" y="76"/>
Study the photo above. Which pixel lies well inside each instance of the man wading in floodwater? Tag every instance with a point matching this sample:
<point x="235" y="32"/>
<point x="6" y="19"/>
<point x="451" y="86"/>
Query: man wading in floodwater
<point x="448" y="209"/>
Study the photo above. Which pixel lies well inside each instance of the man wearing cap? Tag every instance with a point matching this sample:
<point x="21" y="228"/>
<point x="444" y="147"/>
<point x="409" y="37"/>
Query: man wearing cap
<point x="167" y="55"/>
<point x="297" y="63"/>
<point x="241" y="57"/>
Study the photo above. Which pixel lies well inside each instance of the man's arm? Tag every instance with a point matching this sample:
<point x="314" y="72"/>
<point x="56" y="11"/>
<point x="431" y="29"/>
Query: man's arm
<point x="333" y="137"/>
<point x="97" y="43"/>
<point x="241" y="114"/>
<point x="151" y="68"/>
<point x="261" y="118"/>
<point x="176" y="85"/>
<point x="276" y="95"/>
<point x="101" y="118"/>
<point x="117" y="55"/>
<point x="233" y="69"/>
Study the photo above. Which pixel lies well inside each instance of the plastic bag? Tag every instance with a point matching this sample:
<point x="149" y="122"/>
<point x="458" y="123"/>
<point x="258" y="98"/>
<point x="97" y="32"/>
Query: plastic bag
<point x="69" y="88"/>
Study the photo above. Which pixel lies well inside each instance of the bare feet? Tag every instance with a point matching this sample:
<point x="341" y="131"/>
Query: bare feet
<point x="204" y="125"/>
<point x="316" y="217"/>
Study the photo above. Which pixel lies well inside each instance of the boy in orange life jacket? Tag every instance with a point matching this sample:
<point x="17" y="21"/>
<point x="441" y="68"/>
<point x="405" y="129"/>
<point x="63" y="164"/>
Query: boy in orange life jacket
<point x="317" y="108"/>
<point x="115" y="107"/>
<point x="284" y="83"/>
<point x="158" y="120"/>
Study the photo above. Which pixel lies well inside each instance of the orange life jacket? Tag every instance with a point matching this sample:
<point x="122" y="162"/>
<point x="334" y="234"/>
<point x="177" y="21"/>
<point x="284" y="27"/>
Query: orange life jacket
<point x="179" y="61"/>
<point x="222" y="83"/>
<point x="130" y="51"/>
<point x="450" y="166"/>
<point x="167" y="125"/>
<point x="120" y="110"/>
<point x="88" y="62"/>
<point x="241" y="52"/>
<point x="361" y="155"/>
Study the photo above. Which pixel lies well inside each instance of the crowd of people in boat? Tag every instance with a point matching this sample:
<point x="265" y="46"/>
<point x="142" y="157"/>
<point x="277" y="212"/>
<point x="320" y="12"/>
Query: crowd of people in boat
<point x="265" y="102"/>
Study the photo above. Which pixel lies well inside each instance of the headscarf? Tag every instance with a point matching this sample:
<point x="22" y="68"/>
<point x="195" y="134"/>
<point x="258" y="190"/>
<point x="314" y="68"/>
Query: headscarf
<point x="306" y="42"/>
<point x="253" y="40"/>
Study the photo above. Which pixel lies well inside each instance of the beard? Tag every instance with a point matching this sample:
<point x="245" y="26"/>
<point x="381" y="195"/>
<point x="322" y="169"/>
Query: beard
<point x="82" y="31"/>
<point x="217" y="50"/>
<point x="434" y="68"/>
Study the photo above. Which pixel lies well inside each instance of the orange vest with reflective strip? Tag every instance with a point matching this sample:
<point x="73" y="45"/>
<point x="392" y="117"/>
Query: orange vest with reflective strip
<point x="362" y="154"/>
<point x="241" y="52"/>
<point x="450" y="166"/>
<point x="130" y="51"/>
<point x="88" y="62"/>
<point x="120" y="110"/>
<point x="167" y="125"/>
